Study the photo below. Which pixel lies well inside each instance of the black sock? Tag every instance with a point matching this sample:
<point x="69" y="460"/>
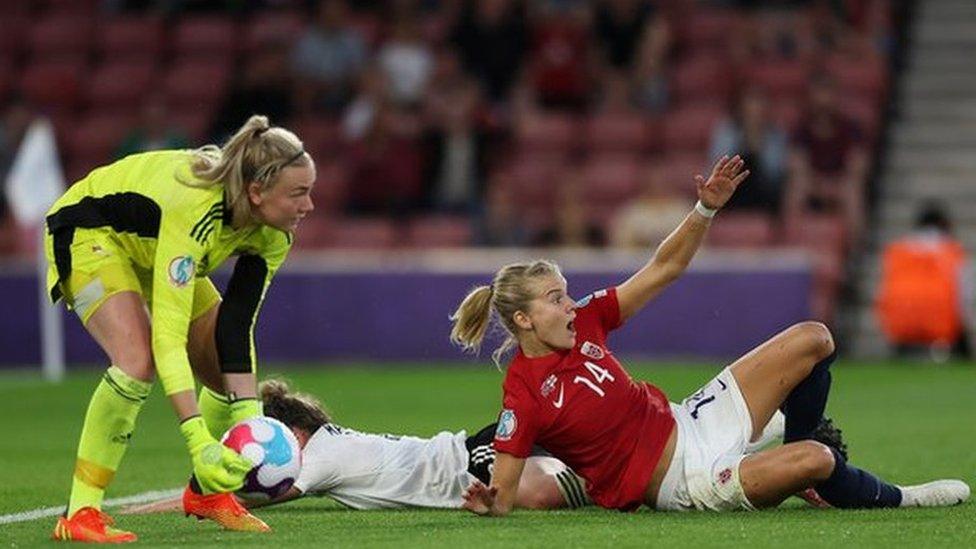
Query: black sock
<point x="804" y="406"/>
<point x="851" y="488"/>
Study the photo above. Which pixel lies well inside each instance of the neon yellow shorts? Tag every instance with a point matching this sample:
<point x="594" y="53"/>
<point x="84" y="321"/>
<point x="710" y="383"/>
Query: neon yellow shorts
<point x="100" y="268"/>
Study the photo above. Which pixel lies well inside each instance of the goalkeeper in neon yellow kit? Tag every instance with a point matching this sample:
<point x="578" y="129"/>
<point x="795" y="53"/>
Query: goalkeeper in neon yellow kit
<point x="130" y="247"/>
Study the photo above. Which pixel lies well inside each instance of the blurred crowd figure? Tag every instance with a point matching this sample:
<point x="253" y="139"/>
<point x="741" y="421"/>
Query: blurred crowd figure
<point x="925" y="298"/>
<point x="420" y="108"/>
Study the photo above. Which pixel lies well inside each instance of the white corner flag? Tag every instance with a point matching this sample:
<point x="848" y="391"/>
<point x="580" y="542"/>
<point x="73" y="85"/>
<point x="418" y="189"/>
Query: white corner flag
<point x="35" y="181"/>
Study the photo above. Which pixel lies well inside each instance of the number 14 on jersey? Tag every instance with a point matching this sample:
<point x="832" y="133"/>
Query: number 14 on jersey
<point x="600" y="374"/>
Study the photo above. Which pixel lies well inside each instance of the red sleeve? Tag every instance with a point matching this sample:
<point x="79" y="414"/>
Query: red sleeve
<point x="517" y="425"/>
<point x="604" y="306"/>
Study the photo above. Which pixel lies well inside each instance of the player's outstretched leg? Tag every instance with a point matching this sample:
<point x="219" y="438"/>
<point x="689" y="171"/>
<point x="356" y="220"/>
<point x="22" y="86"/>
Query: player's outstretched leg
<point x="223" y="509"/>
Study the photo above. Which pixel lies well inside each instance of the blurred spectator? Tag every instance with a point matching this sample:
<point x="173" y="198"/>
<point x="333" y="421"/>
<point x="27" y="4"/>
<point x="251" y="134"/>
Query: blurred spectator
<point x="491" y="37"/>
<point x="456" y="154"/>
<point x="327" y="59"/>
<point x="407" y="61"/>
<point x="154" y="130"/>
<point x="926" y="290"/>
<point x="559" y="65"/>
<point x="14" y="121"/>
<point x="646" y="221"/>
<point x="619" y="25"/>
<point x="501" y="223"/>
<point x="750" y="133"/>
<point x="361" y="113"/>
<point x="387" y="167"/>
<point x="616" y="95"/>
<point x="828" y="161"/>
<point x="263" y="86"/>
<point x="570" y="228"/>
<point x="650" y="66"/>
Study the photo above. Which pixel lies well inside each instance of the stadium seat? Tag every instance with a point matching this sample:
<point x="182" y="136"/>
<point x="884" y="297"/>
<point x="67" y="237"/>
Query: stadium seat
<point x="93" y="138"/>
<point x="196" y="83"/>
<point x="6" y="80"/>
<point x="329" y="191"/>
<point x="865" y="76"/>
<point x="547" y="133"/>
<point x="616" y="133"/>
<point x="314" y="231"/>
<point x="130" y="39"/>
<point x="610" y="179"/>
<point x="779" y="79"/>
<point x="194" y="120"/>
<point x="689" y="129"/>
<point x="534" y="178"/>
<point x="439" y="232"/>
<point x="271" y="28"/>
<point x="205" y="37"/>
<point x="866" y="113"/>
<point x="60" y="36"/>
<point x="818" y="232"/>
<point x="786" y="112"/>
<point x="679" y="173"/>
<point x="54" y="86"/>
<point x="353" y="232"/>
<point x="71" y="7"/>
<point x="13" y="28"/>
<point x="703" y="78"/>
<point x="322" y="136"/>
<point x="742" y="230"/>
<point x="119" y="86"/>
<point x="708" y="30"/>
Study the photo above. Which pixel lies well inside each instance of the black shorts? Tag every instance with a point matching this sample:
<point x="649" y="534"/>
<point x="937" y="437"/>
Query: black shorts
<point x="481" y="453"/>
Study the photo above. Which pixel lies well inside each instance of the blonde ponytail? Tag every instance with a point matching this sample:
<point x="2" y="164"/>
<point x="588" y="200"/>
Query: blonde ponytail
<point x="471" y="319"/>
<point x="257" y="152"/>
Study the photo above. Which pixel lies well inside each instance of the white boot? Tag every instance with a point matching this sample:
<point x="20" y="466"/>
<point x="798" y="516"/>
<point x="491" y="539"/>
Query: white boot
<point x="773" y="432"/>
<point x="938" y="493"/>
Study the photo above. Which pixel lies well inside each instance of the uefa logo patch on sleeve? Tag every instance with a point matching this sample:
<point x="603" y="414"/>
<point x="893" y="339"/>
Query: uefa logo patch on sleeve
<point x="506" y="425"/>
<point x="181" y="270"/>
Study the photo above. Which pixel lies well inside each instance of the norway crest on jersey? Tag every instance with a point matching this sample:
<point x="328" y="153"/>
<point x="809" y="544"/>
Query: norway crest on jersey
<point x="548" y="385"/>
<point x="592" y="350"/>
<point x="506" y="425"/>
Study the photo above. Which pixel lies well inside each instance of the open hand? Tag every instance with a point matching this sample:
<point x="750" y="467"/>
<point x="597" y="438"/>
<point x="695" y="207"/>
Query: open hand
<point x="479" y="498"/>
<point x="724" y="180"/>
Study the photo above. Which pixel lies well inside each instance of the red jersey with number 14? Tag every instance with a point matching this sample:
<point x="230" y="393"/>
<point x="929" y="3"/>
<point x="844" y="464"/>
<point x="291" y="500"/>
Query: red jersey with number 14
<point x="584" y="408"/>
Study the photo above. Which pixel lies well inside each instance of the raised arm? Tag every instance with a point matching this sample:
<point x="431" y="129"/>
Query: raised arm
<point x="675" y="252"/>
<point x="498" y="499"/>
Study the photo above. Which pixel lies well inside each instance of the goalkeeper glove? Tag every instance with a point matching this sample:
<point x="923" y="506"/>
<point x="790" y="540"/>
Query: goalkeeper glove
<point x="217" y="468"/>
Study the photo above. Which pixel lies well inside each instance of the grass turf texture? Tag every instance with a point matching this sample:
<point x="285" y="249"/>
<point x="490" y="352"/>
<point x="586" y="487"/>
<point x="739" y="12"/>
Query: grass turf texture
<point x="907" y="423"/>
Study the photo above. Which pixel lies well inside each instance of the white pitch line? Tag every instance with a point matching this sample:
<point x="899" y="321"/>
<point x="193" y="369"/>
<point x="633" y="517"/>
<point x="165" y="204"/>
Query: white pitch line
<point x="144" y="497"/>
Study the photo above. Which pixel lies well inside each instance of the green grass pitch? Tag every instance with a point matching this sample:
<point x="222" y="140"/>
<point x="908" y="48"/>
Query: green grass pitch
<point x="907" y="423"/>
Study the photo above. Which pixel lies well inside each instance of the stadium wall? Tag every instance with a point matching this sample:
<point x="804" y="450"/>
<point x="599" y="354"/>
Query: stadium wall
<point x="367" y="306"/>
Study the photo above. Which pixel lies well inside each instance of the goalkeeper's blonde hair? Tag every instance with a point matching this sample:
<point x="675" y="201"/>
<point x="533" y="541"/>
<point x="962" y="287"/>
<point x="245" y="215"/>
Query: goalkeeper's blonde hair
<point x="257" y="152"/>
<point x="510" y="292"/>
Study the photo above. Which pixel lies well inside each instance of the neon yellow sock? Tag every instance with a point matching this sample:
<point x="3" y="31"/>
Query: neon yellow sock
<point x="215" y="410"/>
<point x="109" y="423"/>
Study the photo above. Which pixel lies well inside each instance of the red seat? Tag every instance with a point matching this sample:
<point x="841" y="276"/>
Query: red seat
<point x="779" y="78"/>
<point x="6" y="80"/>
<point x="363" y="233"/>
<point x="119" y="86"/>
<point x="322" y="136"/>
<point x="616" y="133"/>
<point x="702" y="78"/>
<point x="72" y="7"/>
<point x="329" y="192"/>
<point x="610" y="179"/>
<point x="439" y="232"/>
<point x="534" y="179"/>
<point x="709" y="29"/>
<point x="866" y="113"/>
<point x="547" y="133"/>
<point x="689" y="129"/>
<point x="865" y="76"/>
<point x="13" y="28"/>
<point x="817" y="232"/>
<point x="742" y="230"/>
<point x="679" y="173"/>
<point x="205" y="37"/>
<point x="787" y="113"/>
<point x="130" y="38"/>
<point x="54" y="85"/>
<point x="201" y="84"/>
<point x="60" y="36"/>
<point x="94" y="138"/>
<point x="314" y="231"/>
<point x="271" y="29"/>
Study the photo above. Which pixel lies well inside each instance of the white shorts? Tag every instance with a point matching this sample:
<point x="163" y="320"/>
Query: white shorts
<point x="714" y="428"/>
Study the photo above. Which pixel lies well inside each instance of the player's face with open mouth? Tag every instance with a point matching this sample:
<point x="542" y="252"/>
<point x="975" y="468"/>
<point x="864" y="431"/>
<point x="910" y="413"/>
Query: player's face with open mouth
<point x="552" y="314"/>
<point x="285" y="204"/>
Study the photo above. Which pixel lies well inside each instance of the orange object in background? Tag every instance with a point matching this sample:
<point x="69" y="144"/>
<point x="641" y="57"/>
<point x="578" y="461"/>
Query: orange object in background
<point x="919" y="298"/>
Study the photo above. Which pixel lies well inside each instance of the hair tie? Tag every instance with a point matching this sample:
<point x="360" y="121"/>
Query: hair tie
<point x="259" y="131"/>
<point x="296" y="157"/>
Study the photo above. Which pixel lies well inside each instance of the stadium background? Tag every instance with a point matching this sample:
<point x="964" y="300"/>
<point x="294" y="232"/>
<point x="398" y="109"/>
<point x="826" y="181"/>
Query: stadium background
<point x="452" y="137"/>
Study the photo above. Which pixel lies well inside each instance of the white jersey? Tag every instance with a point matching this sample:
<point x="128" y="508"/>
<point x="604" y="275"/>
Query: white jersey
<point x="368" y="471"/>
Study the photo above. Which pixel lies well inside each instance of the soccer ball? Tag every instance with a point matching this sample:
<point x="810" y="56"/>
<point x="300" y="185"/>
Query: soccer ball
<point x="273" y="449"/>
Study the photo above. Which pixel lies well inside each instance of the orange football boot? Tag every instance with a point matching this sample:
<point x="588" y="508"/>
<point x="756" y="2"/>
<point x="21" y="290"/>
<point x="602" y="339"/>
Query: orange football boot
<point x="224" y="509"/>
<point x="90" y="525"/>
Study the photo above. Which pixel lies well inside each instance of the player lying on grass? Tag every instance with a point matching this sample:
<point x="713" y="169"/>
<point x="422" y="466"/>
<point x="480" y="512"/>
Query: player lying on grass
<point x="129" y="248"/>
<point x="381" y="471"/>
<point x="564" y="390"/>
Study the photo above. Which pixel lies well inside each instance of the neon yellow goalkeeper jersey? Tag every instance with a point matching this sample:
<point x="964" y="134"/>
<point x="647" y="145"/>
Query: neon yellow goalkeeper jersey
<point x="175" y="233"/>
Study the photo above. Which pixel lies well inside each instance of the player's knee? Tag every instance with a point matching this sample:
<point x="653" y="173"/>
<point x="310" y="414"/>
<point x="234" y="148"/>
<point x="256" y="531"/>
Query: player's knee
<point x="816" y="338"/>
<point x="136" y="361"/>
<point x="814" y="461"/>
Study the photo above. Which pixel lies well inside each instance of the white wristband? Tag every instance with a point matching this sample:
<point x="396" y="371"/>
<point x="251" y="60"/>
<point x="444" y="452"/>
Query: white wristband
<point x="704" y="210"/>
